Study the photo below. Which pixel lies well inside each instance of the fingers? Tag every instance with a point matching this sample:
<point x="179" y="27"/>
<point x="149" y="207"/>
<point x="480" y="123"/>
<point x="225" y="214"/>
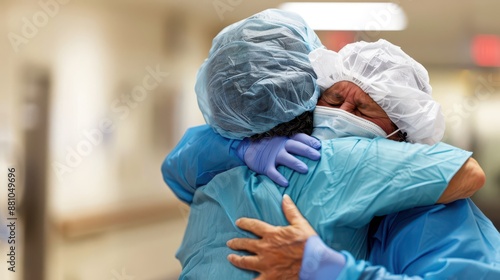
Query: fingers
<point x="254" y="226"/>
<point x="274" y="175"/>
<point x="308" y="140"/>
<point x="298" y="148"/>
<point x="245" y="262"/>
<point x="292" y="162"/>
<point x="244" y="244"/>
<point x="291" y="211"/>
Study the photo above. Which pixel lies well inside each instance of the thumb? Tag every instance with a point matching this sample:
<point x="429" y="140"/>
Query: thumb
<point x="291" y="211"/>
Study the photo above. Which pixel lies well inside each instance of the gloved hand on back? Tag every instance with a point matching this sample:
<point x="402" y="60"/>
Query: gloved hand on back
<point x="263" y="156"/>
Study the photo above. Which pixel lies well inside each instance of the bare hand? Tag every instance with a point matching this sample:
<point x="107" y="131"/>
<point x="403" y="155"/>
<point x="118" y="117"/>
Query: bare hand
<point x="278" y="253"/>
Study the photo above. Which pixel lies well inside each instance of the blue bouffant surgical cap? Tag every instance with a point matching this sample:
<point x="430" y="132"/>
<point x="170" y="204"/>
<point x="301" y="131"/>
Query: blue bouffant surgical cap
<point x="257" y="74"/>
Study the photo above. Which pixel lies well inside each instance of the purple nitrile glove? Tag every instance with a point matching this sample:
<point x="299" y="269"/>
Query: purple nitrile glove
<point x="263" y="156"/>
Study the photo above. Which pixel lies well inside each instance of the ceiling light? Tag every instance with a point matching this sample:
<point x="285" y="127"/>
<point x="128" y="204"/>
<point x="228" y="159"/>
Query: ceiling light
<point x="349" y="16"/>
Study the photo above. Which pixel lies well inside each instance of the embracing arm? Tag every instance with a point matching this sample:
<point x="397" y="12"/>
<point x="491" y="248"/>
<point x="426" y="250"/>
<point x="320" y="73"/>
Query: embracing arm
<point x="402" y="176"/>
<point x="469" y="179"/>
<point x="321" y="262"/>
<point x="296" y="251"/>
<point x="201" y="154"/>
<point x="198" y="157"/>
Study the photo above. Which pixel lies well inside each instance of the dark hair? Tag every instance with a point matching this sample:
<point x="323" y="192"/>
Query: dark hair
<point x="300" y="124"/>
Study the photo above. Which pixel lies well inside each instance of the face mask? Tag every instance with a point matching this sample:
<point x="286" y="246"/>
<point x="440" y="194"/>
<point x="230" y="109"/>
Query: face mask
<point x="332" y="123"/>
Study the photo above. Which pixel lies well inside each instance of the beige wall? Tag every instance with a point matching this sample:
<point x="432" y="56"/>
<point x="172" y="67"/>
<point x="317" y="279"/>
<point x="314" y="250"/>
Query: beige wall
<point x="95" y="54"/>
<point x="110" y="212"/>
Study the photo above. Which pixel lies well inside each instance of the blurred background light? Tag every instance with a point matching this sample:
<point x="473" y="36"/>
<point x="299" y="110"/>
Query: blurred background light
<point x="111" y="216"/>
<point x="486" y="50"/>
<point x="350" y="16"/>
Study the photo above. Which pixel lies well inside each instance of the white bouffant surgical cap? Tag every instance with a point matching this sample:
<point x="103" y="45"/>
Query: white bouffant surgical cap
<point x="394" y="80"/>
<point x="257" y="74"/>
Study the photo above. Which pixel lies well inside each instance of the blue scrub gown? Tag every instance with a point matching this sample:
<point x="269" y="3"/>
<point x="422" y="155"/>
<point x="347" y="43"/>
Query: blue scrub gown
<point x="446" y="241"/>
<point x="452" y="241"/>
<point x="355" y="180"/>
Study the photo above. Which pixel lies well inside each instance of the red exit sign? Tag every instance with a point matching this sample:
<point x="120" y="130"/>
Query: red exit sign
<point x="486" y="50"/>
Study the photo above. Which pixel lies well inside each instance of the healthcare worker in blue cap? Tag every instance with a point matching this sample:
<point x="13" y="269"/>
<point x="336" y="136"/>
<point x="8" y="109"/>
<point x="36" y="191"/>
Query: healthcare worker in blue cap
<point x="351" y="173"/>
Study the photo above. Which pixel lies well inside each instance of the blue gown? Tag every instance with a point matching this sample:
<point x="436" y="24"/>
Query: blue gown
<point x="445" y="241"/>
<point x="355" y="180"/>
<point x="452" y="241"/>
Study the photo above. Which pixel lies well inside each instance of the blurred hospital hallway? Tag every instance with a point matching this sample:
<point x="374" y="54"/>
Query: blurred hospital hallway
<point x="94" y="94"/>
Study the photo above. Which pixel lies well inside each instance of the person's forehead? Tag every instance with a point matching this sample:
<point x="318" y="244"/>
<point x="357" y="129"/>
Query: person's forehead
<point x="347" y="90"/>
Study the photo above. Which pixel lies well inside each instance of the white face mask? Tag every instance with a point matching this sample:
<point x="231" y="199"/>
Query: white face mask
<point x="332" y="123"/>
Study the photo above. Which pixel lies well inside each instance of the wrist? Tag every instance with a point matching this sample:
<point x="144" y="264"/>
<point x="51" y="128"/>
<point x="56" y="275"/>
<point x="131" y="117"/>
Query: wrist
<point x="319" y="261"/>
<point x="242" y="147"/>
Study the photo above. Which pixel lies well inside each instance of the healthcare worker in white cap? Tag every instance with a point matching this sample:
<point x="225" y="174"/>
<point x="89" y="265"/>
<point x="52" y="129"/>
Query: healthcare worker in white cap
<point x="356" y="178"/>
<point x="446" y="241"/>
<point x="419" y="231"/>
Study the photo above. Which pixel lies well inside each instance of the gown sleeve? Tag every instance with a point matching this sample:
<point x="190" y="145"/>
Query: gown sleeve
<point x="323" y="263"/>
<point x="198" y="157"/>
<point x="380" y="177"/>
<point x="428" y="242"/>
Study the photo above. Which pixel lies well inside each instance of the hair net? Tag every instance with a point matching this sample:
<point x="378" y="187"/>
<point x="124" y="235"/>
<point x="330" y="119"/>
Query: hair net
<point x="394" y="80"/>
<point x="257" y="74"/>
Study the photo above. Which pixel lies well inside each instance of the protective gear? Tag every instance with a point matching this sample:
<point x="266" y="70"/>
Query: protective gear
<point x="394" y="80"/>
<point x="257" y="74"/>
<point x="197" y="159"/>
<point x="464" y="248"/>
<point x="264" y="155"/>
<point x="336" y="196"/>
<point x="426" y="242"/>
<point x="330" y="123"/>
<point x="393" y="133"/>
<point x="185" y="176"/>
<point x="319" y="262"/>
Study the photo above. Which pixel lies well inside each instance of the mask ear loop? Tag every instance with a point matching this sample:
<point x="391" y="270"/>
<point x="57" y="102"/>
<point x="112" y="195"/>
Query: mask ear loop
<point x="395" y="131"/>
